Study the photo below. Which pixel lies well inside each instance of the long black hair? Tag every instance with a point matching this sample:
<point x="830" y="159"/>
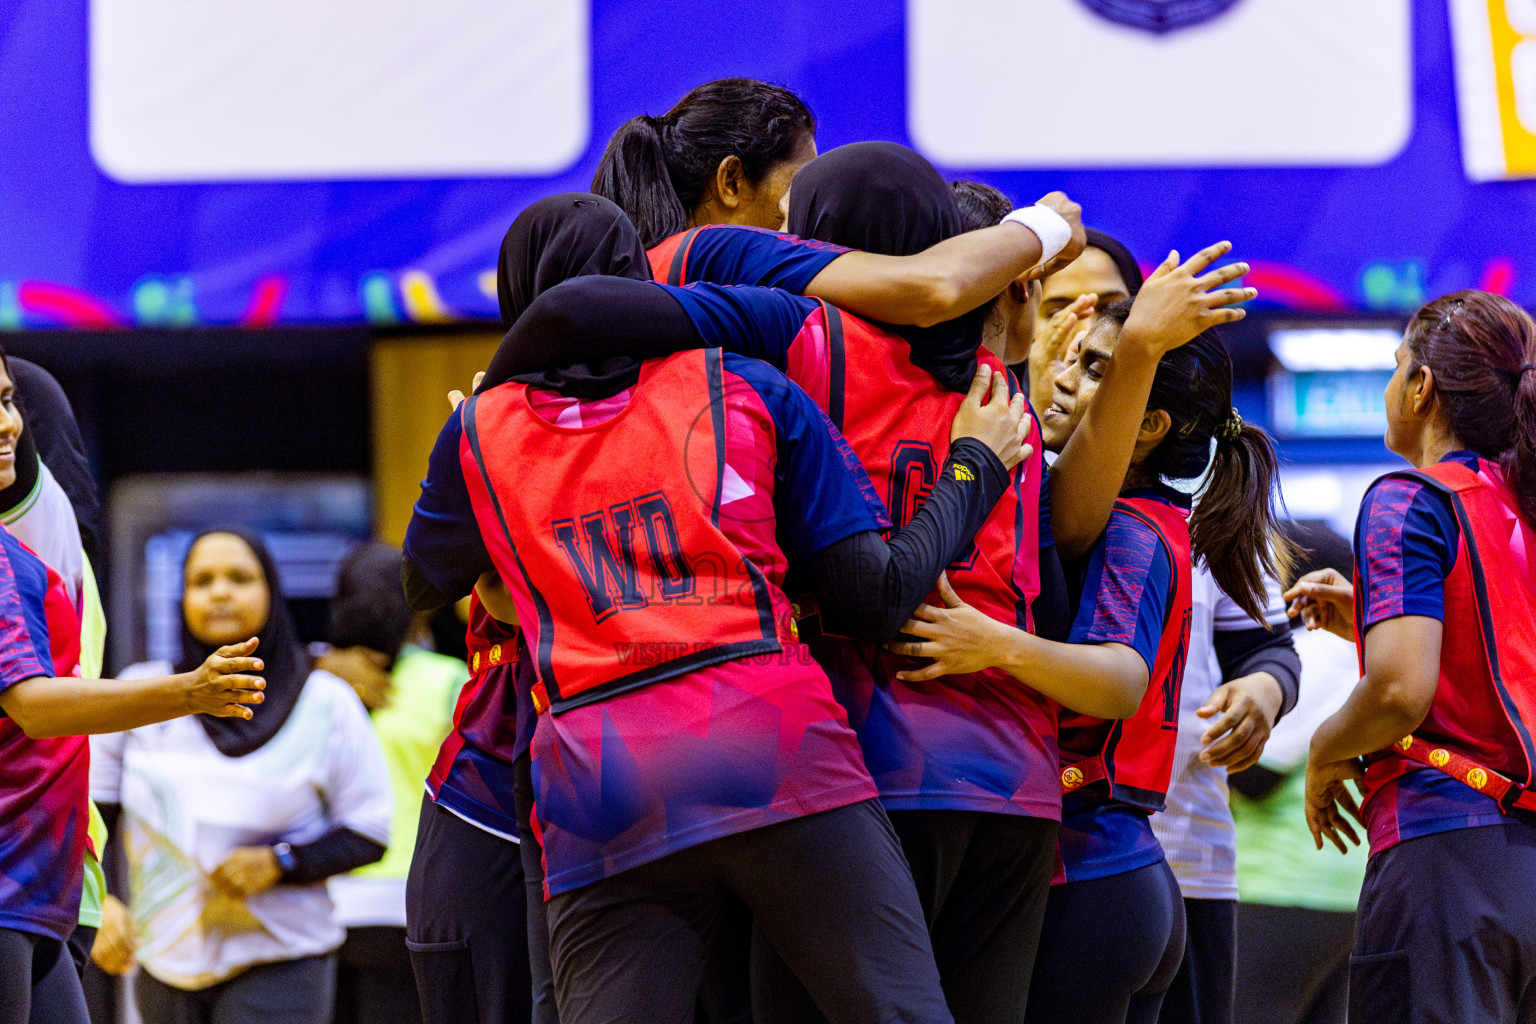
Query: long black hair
<point x="1235" y="527"/>
<point x="658" y="168"/>
<point x="285" y="663"/>
<point x="1481" y="349"/>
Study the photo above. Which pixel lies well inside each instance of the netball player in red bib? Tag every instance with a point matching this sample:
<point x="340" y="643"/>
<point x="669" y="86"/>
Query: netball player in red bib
<point x="1113" y="933"/>
<point x="1444" y="611"/>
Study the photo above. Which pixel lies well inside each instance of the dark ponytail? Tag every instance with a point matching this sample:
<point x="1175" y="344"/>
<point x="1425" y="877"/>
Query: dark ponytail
<point x="1481" y="349"/>
<point x="656" y="169"/>
<point x="1235" y="527"/>
<point x="633" y="176"/>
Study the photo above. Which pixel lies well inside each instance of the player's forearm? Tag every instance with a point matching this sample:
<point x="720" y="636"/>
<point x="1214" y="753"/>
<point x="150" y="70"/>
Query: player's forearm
<point x="46" y="707"/>
<point x="940" y="283"/>
<point x="1090" y="472"/>
<point x="1103" y="680"/>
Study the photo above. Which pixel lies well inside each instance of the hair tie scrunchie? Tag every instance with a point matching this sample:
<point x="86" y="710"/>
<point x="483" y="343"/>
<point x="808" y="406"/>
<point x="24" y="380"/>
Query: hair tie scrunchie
<point x="1232" y="429"/>
<point x="1527" y="368"/>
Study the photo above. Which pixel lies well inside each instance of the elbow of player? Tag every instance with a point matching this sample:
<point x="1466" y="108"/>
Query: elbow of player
<point x="30" y="715"/>
<point x="1404" y="704"/>
<point x="1128" y="678"/>
<point x="1123" y="701"/>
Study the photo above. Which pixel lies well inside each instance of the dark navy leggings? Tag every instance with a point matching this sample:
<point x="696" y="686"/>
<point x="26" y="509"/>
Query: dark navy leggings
<point x="831" y="892"/>
<point x="1109" y="949"/>
<point x="38" y="983"/>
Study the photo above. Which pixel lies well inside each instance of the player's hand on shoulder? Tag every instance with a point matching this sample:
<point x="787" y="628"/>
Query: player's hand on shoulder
<point x="991" y="417"/>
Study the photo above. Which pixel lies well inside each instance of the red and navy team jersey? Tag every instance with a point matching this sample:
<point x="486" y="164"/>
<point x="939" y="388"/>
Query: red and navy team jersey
<point x="1407" y="544"/>
<point x="980" y="742"/>
<point x="492" y="726"/>
<point x="44" y="784"/>
<point x="646" y="742"/>
<point x="1128" y="587"/>
<point x="734" y="254"/>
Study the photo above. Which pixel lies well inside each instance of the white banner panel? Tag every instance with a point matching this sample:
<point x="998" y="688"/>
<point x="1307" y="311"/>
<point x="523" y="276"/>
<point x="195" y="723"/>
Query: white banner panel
<point x="224" y="90"/>
<point x="1496" y="86"/>
<point x="1061" y="83"/>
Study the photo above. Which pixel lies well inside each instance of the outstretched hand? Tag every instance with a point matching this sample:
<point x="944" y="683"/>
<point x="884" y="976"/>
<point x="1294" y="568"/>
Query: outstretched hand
<point x="221" y="686"/>
<point x="1324" y="599"/>
<point x="1177" y="302"/>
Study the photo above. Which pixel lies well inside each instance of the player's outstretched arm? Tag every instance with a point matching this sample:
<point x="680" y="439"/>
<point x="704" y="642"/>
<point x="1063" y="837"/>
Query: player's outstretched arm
<point x="949" y="279"/>
<point x="220" y="686"/>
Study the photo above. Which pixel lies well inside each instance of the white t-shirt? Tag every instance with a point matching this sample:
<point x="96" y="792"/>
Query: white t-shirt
<point x="45" y="522"/>
<point x="186" y="806"/>
<point x="1196" y="830"/>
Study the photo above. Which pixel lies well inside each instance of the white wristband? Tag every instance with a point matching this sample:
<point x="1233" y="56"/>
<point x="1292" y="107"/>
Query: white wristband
<point x="1049" y="226"/>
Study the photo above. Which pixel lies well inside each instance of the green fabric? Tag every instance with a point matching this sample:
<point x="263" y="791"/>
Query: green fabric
<point x="1279" y="864"/>
<point x="95" y="881"/>
<point x="411" y="728"/>
<point x="93" y="645"/>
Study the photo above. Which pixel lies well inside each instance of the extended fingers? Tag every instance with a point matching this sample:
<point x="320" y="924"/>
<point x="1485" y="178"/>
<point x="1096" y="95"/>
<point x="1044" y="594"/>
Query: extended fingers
<point x="979" y="384"/>
<point x="924" y="674"/>
<point x="226" y="666"/>
<point x="999" y="389"/>
<point x="1221" y="275"/>
<point x="245" y="689"/>
<point x="1229" y="297"/>
<point x="947" y="592"/>
<point x="1197" y="263"/>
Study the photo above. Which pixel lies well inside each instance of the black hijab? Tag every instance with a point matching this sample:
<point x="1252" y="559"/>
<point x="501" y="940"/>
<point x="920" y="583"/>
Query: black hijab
<point x="573" y="234"/>
<point x="884" y="198"/>
<point x="1130" y="270"/>
<point x="286" y="664"/>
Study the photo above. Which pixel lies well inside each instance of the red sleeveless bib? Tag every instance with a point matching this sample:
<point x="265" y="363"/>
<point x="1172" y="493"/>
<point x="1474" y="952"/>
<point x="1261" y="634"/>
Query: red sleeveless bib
<point x="1479" y="726"/>
<point x="1136" y="756"/>
<point x="640" y="584"/>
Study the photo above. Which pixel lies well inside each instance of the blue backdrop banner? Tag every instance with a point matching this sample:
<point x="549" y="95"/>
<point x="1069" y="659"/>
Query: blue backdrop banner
<point x="344" y="161"/>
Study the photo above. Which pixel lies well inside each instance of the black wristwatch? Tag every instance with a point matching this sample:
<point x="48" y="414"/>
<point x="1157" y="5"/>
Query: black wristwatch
<point x="286" y="861"/>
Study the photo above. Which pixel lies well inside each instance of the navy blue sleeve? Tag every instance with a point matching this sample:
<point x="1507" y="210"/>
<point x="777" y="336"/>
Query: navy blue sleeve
<point x="1047" y="538"/>
<point x="1127" y="589"/>
<point x="821" y="491"/>
<point x="443" y="542"/>
<point x="1406" y="541"/>
<point x="732" y="254"/>
<point x="759" y="322"/>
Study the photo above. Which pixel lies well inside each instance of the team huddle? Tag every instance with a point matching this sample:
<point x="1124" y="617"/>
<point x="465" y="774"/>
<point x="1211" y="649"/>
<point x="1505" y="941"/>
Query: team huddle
<point x="834" y="701"/>
<point x="857" y="562"/>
